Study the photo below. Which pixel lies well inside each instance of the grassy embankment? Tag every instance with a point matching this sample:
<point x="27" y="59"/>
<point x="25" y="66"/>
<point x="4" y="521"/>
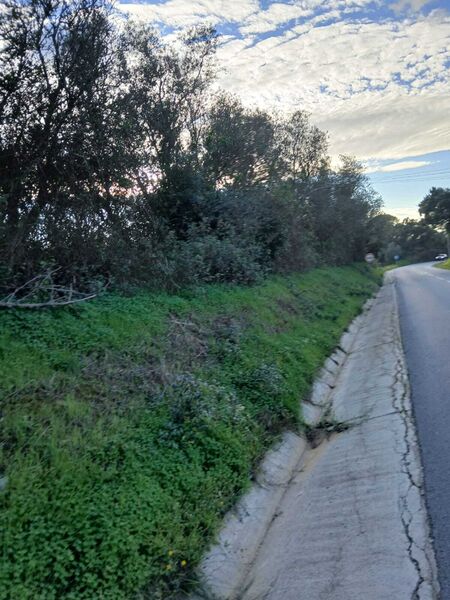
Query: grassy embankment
<point x="131" y="424"/>
<point x="445" y="264"/>
<point x="400" y="263"/>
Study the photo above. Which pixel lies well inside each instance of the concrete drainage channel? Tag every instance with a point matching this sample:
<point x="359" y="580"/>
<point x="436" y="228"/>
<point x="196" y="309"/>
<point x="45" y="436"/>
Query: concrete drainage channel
<point x="342" y="515"/>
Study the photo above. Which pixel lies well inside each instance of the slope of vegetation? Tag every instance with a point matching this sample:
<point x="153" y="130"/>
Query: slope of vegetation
<point x="131" y="424"/>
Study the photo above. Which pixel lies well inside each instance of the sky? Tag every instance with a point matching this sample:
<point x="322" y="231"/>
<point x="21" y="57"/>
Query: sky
<point x="374" y="74"/>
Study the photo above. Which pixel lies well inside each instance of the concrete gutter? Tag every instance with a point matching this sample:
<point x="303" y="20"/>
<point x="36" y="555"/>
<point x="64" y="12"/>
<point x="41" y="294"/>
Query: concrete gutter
<point x="226" y="565"/>
<point x="344" y="520"/>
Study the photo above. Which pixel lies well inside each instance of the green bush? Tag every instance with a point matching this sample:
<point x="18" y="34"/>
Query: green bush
<point x="195" y="406"/>
<point x="212" y="258"/>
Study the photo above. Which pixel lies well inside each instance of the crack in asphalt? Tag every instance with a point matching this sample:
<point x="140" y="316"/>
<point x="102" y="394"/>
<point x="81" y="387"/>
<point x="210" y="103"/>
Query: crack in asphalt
<point x="401" y="405"/>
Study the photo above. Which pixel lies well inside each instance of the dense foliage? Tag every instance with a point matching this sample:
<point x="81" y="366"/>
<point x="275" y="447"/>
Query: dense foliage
<point x="119" y="163"/>
<point x="416" y="240"/>
<point x="410" y="239"/>
<point x="435" y="208"/>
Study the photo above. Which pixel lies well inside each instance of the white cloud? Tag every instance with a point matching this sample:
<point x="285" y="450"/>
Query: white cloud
<point x="352" y="77"/>
<point x="398" y="166"/>
<point x="403" y="212"/>
<point x="277" y="14"/>
<point x="184" y="13"/>
<point x="380" y="87"/>
<point x="414" y="5"/>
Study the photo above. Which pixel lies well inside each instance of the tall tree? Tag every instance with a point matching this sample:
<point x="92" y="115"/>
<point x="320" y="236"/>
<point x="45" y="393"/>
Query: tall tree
<point x="169" y="85"/>
<point x="355" y="202"/>
<point x="435" y="208"/>
<point x="381" y="231"/>
<point x="418" y="240"/>
<point x="239" y="144"/>
<point x="303" y="146"/>
<point x="63" y="130"/>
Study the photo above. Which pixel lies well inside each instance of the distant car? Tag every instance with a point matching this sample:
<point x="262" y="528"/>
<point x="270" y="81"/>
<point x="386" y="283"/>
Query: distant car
<point x="440" y="257"/>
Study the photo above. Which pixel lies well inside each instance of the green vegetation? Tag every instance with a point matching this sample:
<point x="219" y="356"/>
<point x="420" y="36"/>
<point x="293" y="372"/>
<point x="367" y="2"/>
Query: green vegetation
<point x="444" y="264"/>
<point x="435" y="208"/>
<point x="157" y="179"/>
<point x="399" y="263"/>
<point x="131" y="424"/>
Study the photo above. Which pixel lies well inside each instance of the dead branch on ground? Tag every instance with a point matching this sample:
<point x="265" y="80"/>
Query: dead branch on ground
<point x="42" y="292"/>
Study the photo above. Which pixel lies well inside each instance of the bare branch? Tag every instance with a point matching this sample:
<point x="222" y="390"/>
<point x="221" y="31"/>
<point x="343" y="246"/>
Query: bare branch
<point x="49" y="304"/>
<point x="43" y="286"/>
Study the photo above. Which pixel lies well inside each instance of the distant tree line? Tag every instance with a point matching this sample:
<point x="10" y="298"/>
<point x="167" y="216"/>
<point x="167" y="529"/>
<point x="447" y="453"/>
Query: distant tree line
<point x="120" y="162"/>
<point x="412" y="239"/>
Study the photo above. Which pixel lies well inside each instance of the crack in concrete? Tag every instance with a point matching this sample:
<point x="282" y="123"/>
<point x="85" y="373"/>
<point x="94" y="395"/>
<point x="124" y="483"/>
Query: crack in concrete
<point x="370" y="347"/>
<point x="411" y="505"/>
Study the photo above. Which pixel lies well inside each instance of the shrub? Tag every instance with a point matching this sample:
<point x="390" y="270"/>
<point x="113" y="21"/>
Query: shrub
<point x="221" y="256"/>
<point x="194" y="405"/>
<point x="265" y="388"/>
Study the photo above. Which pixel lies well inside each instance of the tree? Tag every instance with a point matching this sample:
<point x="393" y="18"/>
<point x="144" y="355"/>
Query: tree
<point x="64" y="134"/>
<point x="116" y="158"/>
<point x="239" y="144"/>
<point x="381" y="230"/>
<point x="353" y="203"/>
<point x="169" y="84"/>
<point x="435" y="208"/>
<point x="303" y="146"/>
<point x="418" y="240"/>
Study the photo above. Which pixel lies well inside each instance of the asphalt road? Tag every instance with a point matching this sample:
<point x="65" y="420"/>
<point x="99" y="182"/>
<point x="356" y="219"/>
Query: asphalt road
<point x="424" y="305"/>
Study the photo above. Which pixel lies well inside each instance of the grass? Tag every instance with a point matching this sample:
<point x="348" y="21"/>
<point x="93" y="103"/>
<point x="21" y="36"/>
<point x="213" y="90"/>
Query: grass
<point x="445" y="264"/>
<point x="130" y="425"/>
<point x="400" y="263"/>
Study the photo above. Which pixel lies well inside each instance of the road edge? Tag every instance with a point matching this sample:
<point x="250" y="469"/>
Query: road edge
<point x="421" y="555"/>
<point x="226" y="565"/>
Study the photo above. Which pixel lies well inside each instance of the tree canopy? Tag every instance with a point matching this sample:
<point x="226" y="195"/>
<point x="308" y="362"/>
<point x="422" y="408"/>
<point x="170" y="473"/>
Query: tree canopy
<point x="435" y="208"/>
<point x="121" y="162"/>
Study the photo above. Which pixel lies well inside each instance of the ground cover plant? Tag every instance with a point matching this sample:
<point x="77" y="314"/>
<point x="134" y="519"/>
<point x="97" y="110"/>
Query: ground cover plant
<point x="130" y="425"/>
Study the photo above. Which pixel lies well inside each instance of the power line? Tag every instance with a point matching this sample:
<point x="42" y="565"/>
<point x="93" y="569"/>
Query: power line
<point x="418" y="179"/>
<point x="441" y="173"/>
<point x="409" y="175"/>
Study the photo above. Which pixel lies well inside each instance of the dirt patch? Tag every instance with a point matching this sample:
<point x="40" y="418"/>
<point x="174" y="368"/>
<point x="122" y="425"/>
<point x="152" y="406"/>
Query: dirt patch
<point x="288" y="306"/>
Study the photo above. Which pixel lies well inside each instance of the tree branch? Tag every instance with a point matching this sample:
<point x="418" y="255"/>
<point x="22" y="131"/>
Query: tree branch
<point x="49" y="304"/>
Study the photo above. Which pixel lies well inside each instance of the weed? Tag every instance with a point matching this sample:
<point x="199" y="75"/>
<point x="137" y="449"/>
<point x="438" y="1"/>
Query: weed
<point x="326" y="426"/>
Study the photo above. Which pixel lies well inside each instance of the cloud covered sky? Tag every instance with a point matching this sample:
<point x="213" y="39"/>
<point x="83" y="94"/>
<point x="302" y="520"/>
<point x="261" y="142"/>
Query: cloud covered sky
<point x="375" y="74"/>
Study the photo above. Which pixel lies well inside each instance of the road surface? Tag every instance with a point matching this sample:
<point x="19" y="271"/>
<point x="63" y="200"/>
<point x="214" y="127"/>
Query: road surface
<point x="424" y="305"/>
